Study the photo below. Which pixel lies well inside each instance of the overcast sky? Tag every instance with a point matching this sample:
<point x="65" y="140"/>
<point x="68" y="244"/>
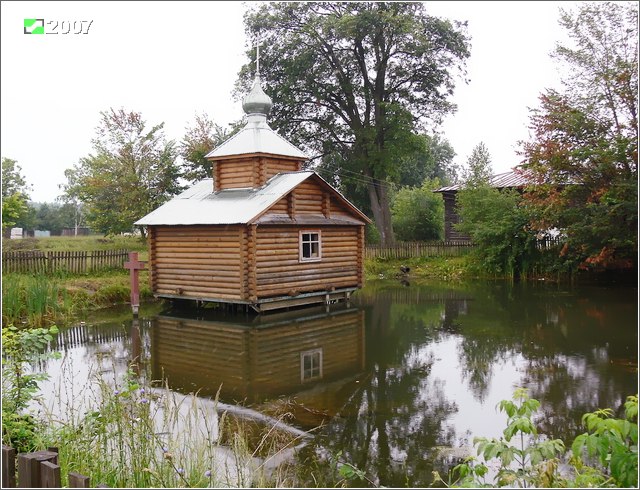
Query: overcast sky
<point x="171" y="60"/>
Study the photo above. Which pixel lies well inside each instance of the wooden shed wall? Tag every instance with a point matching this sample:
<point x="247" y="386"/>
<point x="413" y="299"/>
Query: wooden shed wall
<point x="452" y="218"/>
<point x="198" y="261"/>
<point x="279" y="270"/>
<point x="255" y="363"/>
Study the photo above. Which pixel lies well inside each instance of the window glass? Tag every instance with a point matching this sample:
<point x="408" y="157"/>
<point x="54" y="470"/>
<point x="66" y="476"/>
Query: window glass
<point x="310" y="246"/>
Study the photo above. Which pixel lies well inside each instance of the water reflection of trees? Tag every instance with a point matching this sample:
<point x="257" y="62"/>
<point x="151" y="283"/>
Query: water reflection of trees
<point x="392" y="423"/>
<point x="577" y="345"/>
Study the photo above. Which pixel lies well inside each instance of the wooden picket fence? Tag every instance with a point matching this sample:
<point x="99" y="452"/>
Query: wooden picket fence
<point x="77" y="262"/>
<point x="406" y="250"/>
<point x="38" y="469"/>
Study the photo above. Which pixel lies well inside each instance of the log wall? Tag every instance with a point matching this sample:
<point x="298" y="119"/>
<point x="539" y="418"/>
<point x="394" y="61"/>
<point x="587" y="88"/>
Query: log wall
<point x="250" y="170"/>
<point x="280" y="272"/>
<point x="451" y="218"/>
<point x="198" y="261"/>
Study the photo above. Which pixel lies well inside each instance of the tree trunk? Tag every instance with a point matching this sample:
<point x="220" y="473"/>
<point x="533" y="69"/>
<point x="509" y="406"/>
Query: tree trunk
<point x="379" y="198"/>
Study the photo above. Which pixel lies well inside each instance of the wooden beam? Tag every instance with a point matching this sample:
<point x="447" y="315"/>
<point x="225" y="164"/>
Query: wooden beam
<point x="361" y="258"/>
<point x="291" y="204"/>
<point x="251" y="262"/>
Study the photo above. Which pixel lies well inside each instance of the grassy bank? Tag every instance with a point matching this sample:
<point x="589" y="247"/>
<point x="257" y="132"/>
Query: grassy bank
<point x="444" y="268"/>
<point x="39" y="300"/>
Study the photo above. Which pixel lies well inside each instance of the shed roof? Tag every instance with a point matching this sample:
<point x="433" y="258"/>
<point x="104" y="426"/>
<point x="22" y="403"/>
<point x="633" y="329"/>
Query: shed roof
<point x="499" y="181"/>
<point x="199" y="205"/>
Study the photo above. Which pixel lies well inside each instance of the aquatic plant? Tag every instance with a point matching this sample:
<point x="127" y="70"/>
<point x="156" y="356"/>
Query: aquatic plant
<point x="34" y="300"/>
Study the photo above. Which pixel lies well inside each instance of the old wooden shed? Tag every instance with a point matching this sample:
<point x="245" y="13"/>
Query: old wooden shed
<point x="511" y="180"/>
<point x="261" y="232"/>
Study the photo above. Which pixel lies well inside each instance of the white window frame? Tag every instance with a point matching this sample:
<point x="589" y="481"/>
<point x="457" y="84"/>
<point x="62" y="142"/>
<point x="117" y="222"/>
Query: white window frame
<point x="314" y="369"/>
<point x="301" y="258"/>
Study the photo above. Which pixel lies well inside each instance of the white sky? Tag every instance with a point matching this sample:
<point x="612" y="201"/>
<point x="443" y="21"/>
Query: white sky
<point x="171" y="60"/>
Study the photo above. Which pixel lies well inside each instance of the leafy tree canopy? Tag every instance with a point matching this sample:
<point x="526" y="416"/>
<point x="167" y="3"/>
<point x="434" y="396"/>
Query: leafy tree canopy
<point x="200" y="138"/>
<point x="586" y="136"/>
<point x="132" y="171"/>
<point x="15" y="193"/>
<point x="354" y="81"/>
<point x="418" y="213"/>
<point x="478" y="170"/>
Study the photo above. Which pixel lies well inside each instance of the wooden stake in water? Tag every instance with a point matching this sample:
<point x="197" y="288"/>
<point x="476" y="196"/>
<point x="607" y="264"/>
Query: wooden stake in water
<point x="134" y="265"/>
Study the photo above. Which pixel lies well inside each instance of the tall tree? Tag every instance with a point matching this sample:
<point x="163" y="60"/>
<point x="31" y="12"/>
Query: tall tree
<point x="356" y="80"/>
<point x="15" y="193"/>
<point x="132" y="171"/>
<point x="584" y="151"/>
<point x="200" y="138"/>
<point x="434" y="160"/>
<point x="478" y="170"/>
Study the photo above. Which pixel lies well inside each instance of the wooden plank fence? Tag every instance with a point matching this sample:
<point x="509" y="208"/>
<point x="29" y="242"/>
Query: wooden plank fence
<point x="406" y="250"/>
<point x="39" y="469"/>
<point x="77" y="262"/>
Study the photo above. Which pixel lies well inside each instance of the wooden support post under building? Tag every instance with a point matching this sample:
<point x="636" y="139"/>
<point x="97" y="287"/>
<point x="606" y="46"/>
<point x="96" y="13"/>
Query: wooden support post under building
<point x="134" y="265"/>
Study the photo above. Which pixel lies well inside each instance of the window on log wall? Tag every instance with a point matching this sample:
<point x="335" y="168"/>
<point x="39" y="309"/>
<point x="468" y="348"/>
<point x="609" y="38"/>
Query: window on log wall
<point x="310" y="246"/>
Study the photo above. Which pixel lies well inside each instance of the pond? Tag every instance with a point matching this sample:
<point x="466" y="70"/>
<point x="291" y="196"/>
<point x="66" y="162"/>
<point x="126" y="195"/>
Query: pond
<point x="397" y="378"/>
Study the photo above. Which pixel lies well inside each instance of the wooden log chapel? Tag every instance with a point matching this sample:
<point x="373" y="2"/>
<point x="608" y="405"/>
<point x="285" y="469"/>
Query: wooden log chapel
<point x="261" y="232"/>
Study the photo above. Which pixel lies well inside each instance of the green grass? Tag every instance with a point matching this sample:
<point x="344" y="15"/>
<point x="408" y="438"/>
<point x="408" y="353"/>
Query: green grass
<point x="93" y="242"/>
<point x="444" y="268"/>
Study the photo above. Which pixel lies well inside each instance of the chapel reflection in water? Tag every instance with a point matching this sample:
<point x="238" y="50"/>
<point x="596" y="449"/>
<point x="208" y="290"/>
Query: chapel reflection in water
<point x="255" y="358"/>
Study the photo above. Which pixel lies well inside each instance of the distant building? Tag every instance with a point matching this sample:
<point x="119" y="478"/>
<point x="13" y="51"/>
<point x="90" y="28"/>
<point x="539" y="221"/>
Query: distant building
<point x="510" y="180"/>
<point x="16" y="233"/>
<point x="80" y="231"/>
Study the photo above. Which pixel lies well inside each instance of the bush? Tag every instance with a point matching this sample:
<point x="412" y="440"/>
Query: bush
<point x="418" y="213"/>
<point x="498" y="224"/>
<point x="533" y="460"/>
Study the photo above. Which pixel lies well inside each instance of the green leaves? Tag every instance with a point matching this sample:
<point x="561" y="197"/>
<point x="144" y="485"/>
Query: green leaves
<point x="355" y="82"/>
<point x="585" y="140"/>
<point x="613" y="441"/>
<point x="132" y="171"/>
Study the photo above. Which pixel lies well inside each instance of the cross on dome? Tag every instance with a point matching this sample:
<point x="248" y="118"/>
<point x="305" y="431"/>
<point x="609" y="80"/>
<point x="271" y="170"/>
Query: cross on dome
<point x="256" y="102"/>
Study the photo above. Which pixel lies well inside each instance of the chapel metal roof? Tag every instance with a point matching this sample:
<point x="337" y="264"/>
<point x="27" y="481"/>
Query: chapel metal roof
<point x="199" y="205"/>
<point x="256" y="136"/>
<point x="499" y="181"/>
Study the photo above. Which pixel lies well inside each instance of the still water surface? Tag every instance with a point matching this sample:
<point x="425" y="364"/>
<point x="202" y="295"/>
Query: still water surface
<point x="395" y="378"/>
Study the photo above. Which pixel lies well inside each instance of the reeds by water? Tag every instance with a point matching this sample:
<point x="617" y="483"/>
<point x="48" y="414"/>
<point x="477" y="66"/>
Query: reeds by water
<point x="33" y="300"/>
<point x="128" y="434"/>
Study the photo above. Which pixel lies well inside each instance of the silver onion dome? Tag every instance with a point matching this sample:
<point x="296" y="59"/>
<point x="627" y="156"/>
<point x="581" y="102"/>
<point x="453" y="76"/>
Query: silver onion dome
<point x="256" y="101"/>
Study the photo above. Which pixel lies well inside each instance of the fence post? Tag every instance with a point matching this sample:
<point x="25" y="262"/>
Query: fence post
<point x="76" y="480"/>
<point x="50" y="475"/>
<point x="29" y="467"/>
<point x="8" y="467"/>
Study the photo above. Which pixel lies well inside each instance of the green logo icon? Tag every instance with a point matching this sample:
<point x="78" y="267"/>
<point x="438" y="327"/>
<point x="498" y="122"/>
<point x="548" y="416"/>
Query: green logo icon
<point x="34" y="26"/>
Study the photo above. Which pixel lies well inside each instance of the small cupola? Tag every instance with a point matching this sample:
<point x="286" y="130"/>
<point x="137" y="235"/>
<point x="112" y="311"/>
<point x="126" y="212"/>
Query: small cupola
<point x="256" y="103"/>
<point x="256" y="153"/>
